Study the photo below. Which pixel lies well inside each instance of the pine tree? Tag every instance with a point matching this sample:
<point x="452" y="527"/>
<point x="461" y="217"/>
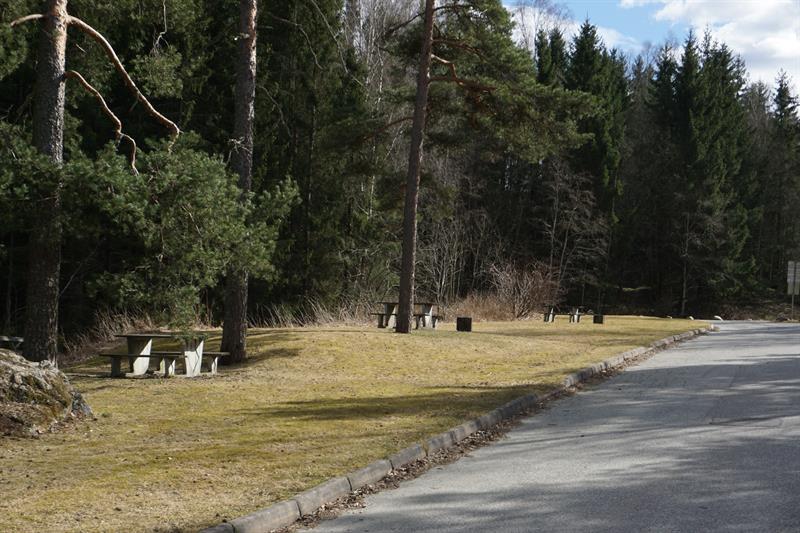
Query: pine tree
<point x="45" y="241"/>
<point x="44" y="248"/>
<point x="408" y="259"/>
<point x="234" y="331"/>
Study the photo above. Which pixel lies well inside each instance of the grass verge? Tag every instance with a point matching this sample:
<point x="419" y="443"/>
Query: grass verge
<point x="310" y="404"/>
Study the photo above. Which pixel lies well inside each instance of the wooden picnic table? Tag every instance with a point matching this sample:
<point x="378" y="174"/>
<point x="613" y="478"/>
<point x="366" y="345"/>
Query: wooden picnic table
<point x="140" y="351"/>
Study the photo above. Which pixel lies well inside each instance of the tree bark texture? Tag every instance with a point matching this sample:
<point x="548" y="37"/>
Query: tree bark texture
<point x="406" y="300"/>
<point x="44" y="246"/>
<point x="234" y="331"/>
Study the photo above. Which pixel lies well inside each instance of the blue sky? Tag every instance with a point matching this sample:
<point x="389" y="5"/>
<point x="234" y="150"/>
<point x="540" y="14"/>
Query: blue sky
<point x="766" y="33"/>
<point x="635" y="22"/>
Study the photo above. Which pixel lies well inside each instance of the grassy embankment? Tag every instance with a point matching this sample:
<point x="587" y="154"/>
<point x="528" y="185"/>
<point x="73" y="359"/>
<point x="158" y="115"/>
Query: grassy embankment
<point x="311" y="403"/>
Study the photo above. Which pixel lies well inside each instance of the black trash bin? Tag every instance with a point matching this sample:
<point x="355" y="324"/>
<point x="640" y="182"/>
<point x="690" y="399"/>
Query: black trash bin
<point x="464" y="323"/>
<point x="598" y="319"/>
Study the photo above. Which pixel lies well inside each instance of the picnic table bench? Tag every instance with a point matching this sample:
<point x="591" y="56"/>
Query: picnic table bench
<point x="423" y="314"/>
<point x="140" y="353"/>
<point x="12" y="343"/>
<point x="574" y="312"/>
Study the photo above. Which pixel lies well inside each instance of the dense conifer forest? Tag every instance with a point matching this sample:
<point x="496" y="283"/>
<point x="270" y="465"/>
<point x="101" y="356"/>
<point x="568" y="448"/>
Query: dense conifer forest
<point x="666" y="183"/>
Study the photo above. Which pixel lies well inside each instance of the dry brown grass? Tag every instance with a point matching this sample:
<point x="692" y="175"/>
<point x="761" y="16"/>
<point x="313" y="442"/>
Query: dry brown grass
<point x="106" y="325"/>
<point x="311" y="403"/>
<point x="481" y="307"/>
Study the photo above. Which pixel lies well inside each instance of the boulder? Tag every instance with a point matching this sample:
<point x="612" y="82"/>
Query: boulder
<point x="35" y="397"/>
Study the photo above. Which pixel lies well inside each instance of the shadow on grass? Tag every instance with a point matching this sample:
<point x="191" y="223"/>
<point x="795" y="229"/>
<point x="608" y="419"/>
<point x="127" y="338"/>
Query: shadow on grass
<point x="262" y="347"/>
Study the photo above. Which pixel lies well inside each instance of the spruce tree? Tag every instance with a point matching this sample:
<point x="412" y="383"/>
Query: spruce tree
<point x="711" y="226"/>
<point x="787" y="173"/>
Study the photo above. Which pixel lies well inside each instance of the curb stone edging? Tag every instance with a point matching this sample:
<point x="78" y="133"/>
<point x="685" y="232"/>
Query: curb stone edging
<point x="265" y="520"/>
<point x="312" y="499"/>
<point x="372" y="473"/>
<point x="438" y="442"/>
<point x="413" y="453"/>
<point x="285" y="513"/>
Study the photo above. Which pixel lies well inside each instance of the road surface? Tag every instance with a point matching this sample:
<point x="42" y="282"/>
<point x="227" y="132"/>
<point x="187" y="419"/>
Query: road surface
<point x="702" y="437"/>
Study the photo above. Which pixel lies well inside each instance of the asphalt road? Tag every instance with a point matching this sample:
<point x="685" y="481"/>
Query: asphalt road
<point x="702" y="437"/>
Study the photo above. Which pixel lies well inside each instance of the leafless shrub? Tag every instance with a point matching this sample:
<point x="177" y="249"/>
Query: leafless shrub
<point x="454" y="254"/>
<point x="480" y="306"/>
<point x="524" y="290"/>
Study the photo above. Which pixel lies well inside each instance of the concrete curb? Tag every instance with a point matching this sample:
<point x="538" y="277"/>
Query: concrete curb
<point x="312" y="499"/>
<point x="413" y="453"/>
<point x="285" y="513"/>
<point x="372" y="473"/>
<point x="263" y="521"/>
<point x="439" y="442"/>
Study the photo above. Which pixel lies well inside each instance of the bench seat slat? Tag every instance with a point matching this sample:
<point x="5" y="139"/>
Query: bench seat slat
<point x="152" y="355"/>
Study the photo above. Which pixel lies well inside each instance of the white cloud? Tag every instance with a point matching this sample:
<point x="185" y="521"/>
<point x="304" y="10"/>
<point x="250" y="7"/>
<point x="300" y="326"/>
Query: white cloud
<point x="615" y="39"/>
<point x="637" y="3"/>
<point x="766" y="33"/>
<point x="530" y="19"/>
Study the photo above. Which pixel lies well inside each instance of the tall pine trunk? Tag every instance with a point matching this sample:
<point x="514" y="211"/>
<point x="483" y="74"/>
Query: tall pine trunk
<point x="234" y="331"/>
<point x="412" y="183"/>
<point x="44" y="245"/>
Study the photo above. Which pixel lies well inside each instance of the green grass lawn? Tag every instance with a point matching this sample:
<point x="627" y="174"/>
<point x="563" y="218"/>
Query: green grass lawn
<point x="311" y="403"/>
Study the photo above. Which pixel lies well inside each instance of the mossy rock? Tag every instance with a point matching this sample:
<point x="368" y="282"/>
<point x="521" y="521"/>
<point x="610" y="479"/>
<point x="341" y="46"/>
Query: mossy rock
<point x="35" y="397"/>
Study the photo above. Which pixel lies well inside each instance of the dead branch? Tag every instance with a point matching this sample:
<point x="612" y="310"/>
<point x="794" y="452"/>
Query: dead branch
<point x="449" y="64"/>
<point x="388" y="33"/>
<point x="26" y="18"/>
<point x="117" y="122"/>
<point x="94" y="34"/>
<point x="163" y="33"/>
<point x="460" y="45"/>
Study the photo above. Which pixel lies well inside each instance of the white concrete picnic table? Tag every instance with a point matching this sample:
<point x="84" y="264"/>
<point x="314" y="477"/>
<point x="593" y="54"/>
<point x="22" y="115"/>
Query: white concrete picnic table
<point x="140" y="347"/>
<point x="423" y="313"/>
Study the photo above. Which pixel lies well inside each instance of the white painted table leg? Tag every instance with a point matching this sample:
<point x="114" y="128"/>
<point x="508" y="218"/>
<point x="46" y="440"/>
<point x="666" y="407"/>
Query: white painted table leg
<point x="139" y="347"/>
<point x="167" y="366"/>
<point x="193" y="355"/>
<point x="391" y="316"/>
<point x="427" y="318"/>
